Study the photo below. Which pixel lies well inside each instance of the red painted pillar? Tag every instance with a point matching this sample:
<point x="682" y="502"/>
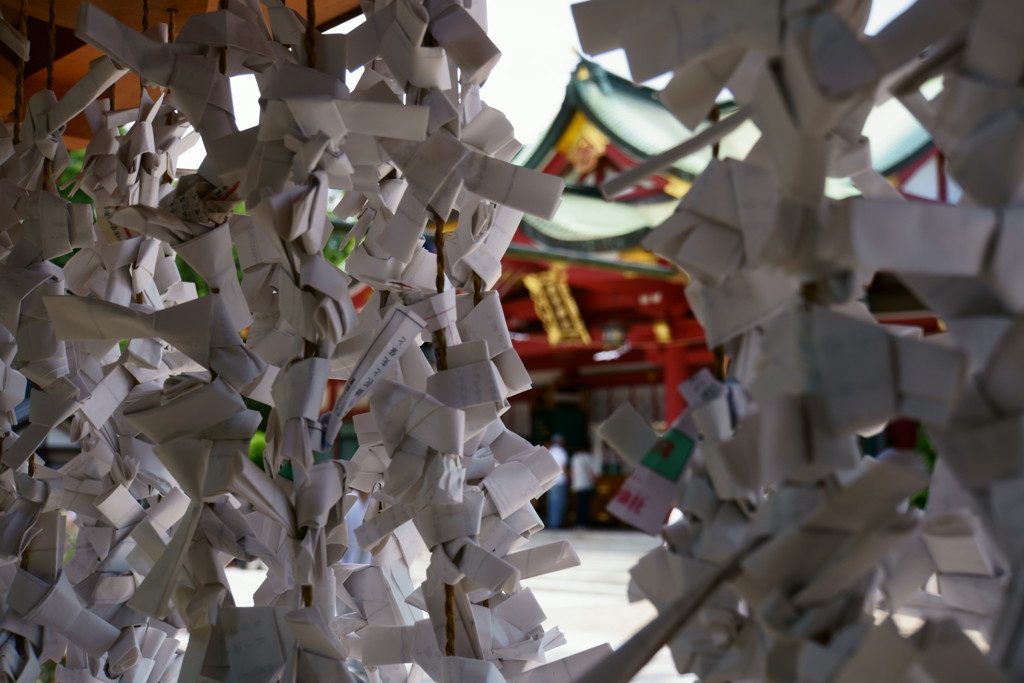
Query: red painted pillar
<point x="676" y="368"/>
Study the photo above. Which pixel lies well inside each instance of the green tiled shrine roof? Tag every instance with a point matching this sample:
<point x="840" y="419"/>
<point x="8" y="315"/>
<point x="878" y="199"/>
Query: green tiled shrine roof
<point x="586" y="222"/>
<point x="633" y="118"/>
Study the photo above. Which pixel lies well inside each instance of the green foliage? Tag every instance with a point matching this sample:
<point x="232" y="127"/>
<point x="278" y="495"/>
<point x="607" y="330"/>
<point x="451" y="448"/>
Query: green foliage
<point x="62" y="260"/>
<point x="336" y="251"/>
<point x="874" y="445"/>
<point x="288" y="473"/>
<point x="262" y="408"/>
<point x="257" y="446"/>
<point x="69" y="544"/>
<point x="76" y="158"/>
<point x="48" y="673"/>
<point x="929" y="455"/>
<point x="338" y="248"/>
<point x="188" y="274"/>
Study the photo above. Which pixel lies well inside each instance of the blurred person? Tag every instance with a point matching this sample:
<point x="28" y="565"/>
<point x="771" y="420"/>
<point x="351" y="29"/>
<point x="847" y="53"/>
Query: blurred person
<point x="558" y="495"/>
<point x="583" y="478"/>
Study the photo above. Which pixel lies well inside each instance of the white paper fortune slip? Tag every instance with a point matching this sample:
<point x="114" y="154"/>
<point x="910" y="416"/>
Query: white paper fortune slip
<point x="645" y="498"/>
<point x="396" y="334"/>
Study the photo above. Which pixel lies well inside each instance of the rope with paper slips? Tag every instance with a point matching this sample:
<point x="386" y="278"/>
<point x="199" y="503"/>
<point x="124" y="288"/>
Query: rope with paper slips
<point x="478" y="295"/>
<point x="19" y="81"/>
<point x="47" y="164"/>
<point x="51" y="56"/>
<point x="306" y="590"/>
<point x="441" y="351"/>
<point x="140" y="298"/>
<point x="478" y="288"/>
<point x="309" y="41"/>
<point x="222" y="5"/>
<point x="721" y="363"/>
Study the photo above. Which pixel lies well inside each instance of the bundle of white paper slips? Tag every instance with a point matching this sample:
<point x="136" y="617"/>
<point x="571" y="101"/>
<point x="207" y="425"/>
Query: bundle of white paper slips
<point x="794" y="553"/>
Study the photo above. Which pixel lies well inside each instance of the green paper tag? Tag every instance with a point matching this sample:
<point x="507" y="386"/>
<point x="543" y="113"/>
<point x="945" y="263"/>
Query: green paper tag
<point x="669" y="454"/>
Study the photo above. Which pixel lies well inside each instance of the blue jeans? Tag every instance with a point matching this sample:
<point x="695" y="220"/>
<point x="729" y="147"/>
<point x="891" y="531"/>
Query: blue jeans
<point x="583" y="499"/>
<point x="558" y="498"/>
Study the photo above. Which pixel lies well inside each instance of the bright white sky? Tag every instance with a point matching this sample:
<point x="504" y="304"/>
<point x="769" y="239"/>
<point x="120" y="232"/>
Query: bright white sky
<point x="539" y="51"/>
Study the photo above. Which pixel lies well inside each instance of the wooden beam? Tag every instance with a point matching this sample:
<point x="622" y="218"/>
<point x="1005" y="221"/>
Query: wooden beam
<point x="68" y="71"/>
<point x="127" y="11"/>
<point x="329" y="13"/>
<point x="73" y="57"/>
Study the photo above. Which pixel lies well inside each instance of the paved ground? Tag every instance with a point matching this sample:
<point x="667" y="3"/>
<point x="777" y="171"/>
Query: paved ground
<point x="588" y="603"/>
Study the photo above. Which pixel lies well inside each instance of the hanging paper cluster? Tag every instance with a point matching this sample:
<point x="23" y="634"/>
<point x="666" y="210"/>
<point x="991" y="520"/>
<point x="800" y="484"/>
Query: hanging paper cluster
<point x="795" y="551"/>
<point x="153" y="379"/>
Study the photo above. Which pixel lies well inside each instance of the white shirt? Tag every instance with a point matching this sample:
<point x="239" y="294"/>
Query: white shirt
<point x="562" y="458"/>
<point x="583" y="471"/>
